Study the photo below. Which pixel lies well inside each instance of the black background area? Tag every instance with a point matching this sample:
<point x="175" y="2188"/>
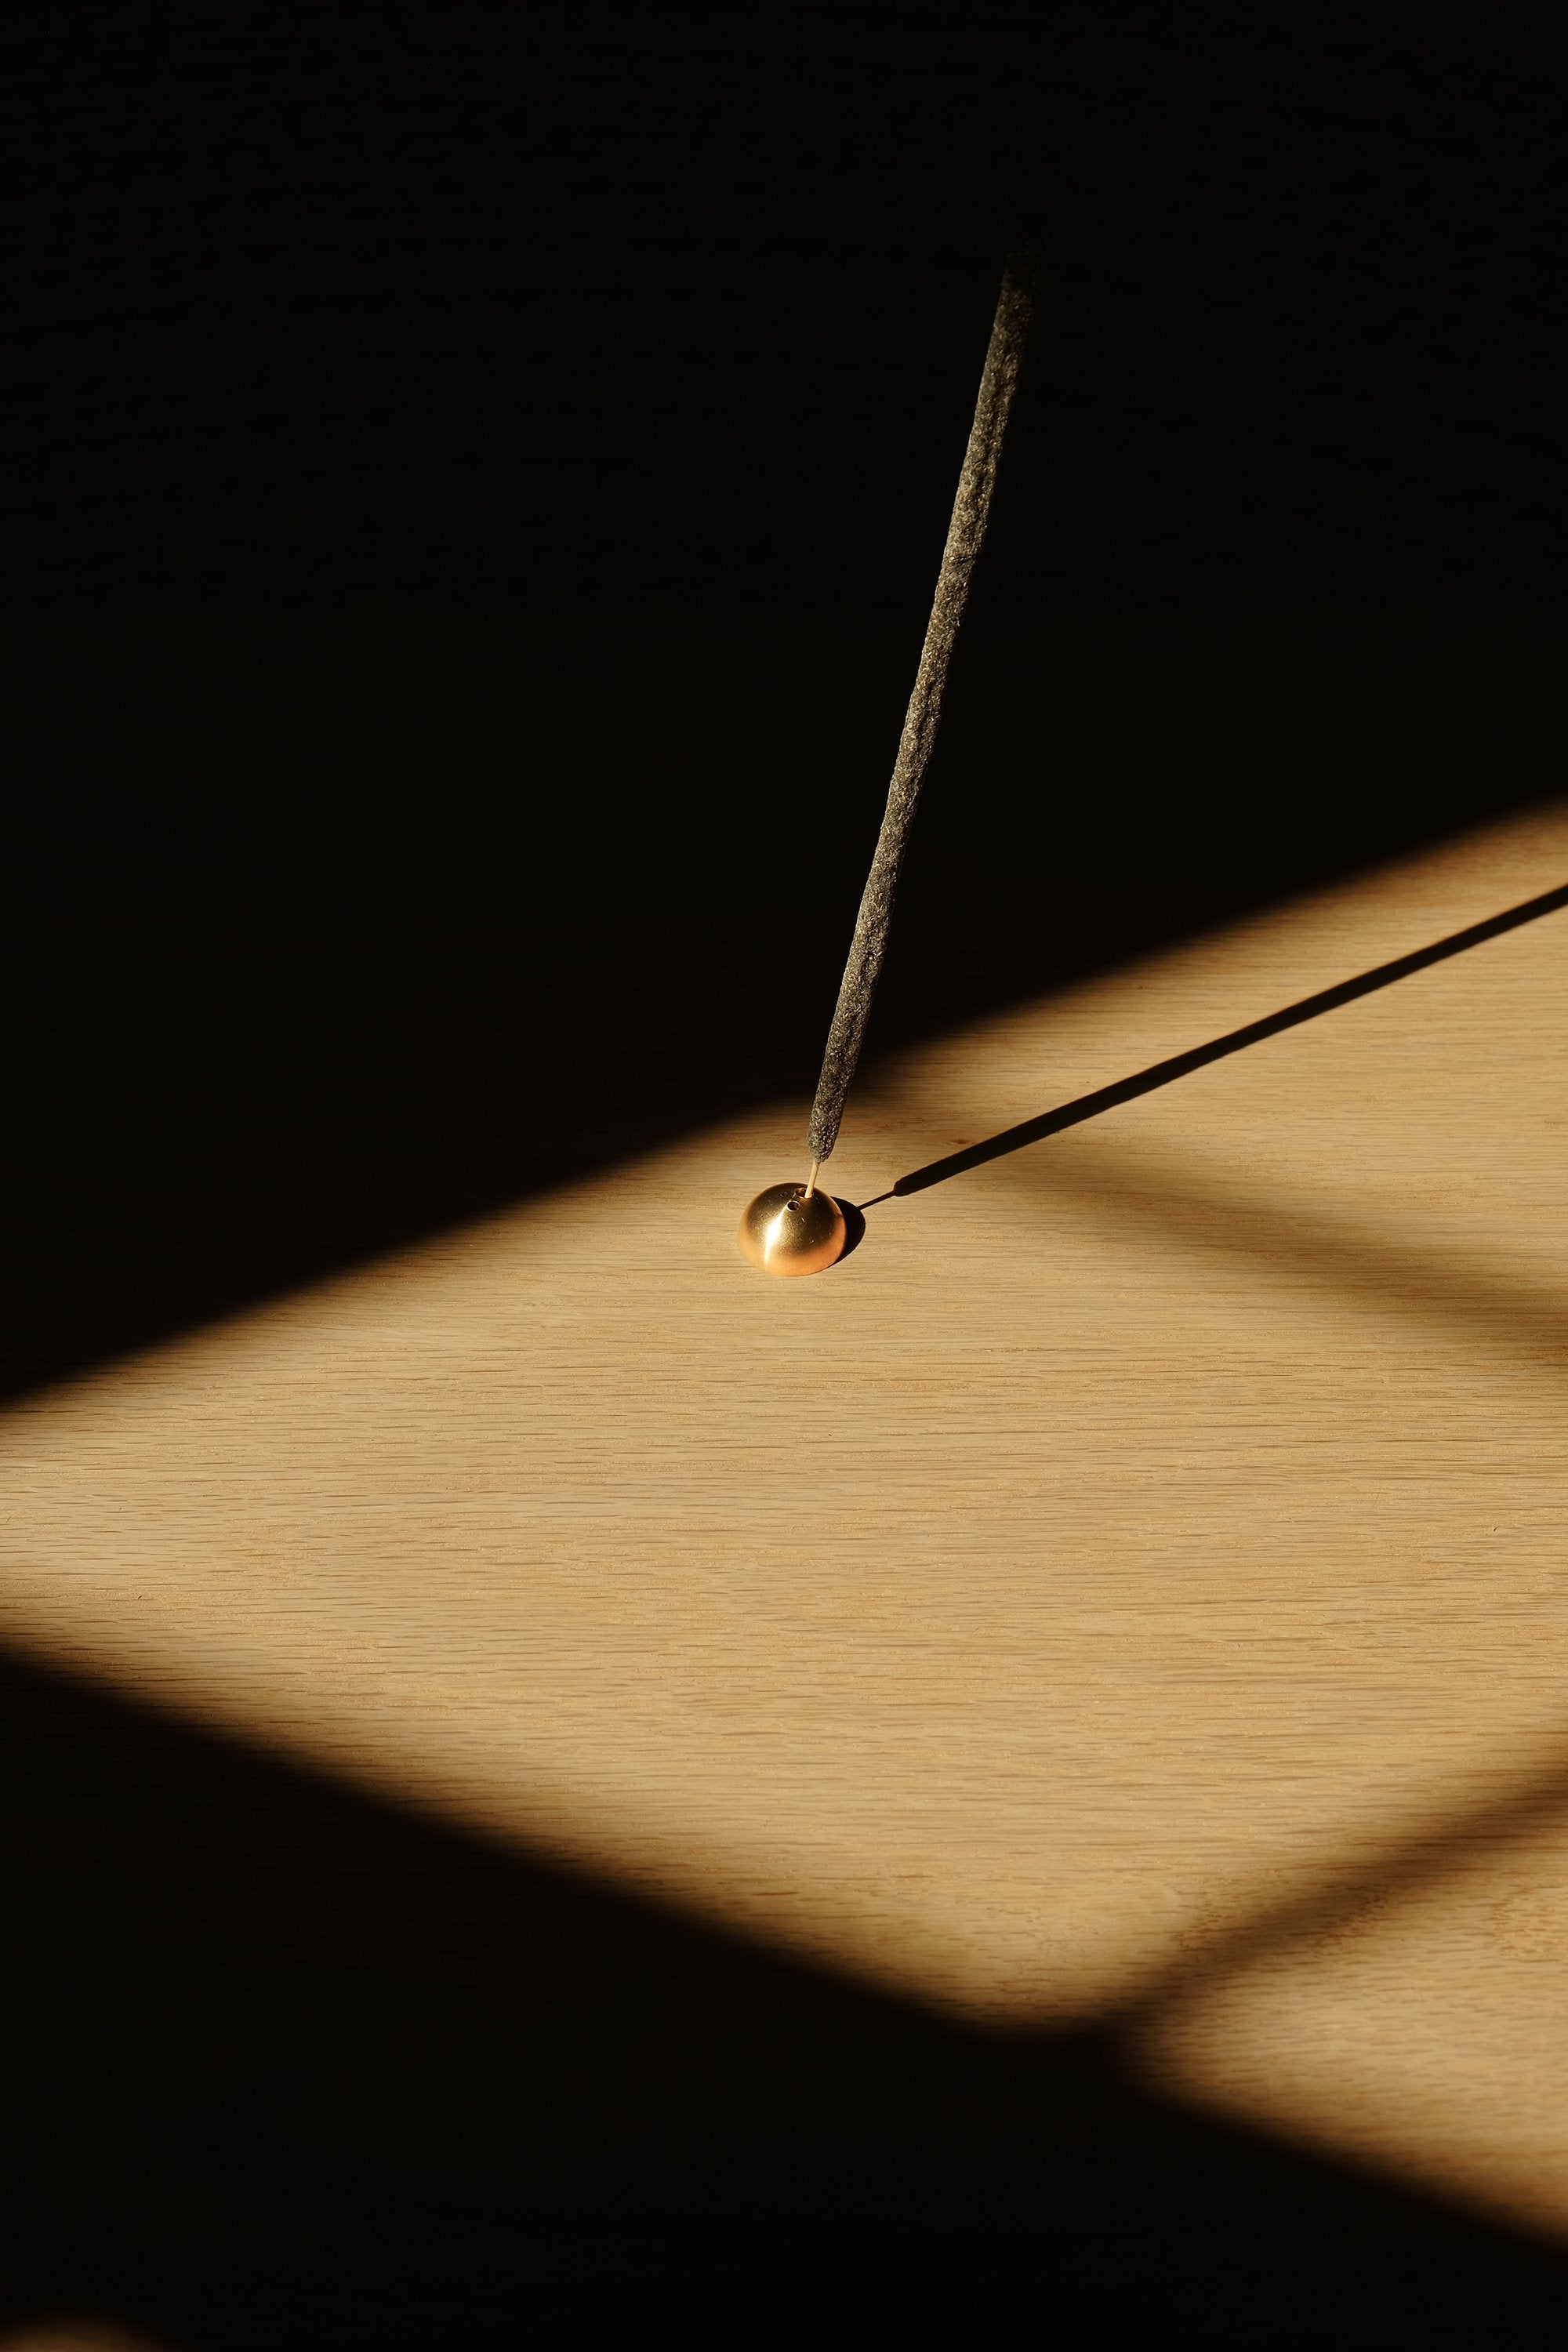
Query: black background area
<point x="463" y="307"/>
<point x="469" y="497"/>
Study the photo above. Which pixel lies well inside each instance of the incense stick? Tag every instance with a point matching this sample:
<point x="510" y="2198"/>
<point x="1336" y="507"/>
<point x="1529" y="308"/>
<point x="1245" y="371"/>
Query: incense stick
<point x="971" y="508"/>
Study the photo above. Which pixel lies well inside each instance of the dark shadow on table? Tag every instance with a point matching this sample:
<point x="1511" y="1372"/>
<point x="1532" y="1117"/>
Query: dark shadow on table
<point x="319" y="937"/>
<point x="284" y="2065"/>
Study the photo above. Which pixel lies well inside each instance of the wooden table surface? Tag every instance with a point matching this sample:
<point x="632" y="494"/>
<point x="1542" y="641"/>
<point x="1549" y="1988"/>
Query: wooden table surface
<point x="1131" y="1586"/>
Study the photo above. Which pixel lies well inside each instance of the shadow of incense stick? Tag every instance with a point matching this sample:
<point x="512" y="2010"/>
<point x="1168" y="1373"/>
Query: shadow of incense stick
<point x="1198" y="1057"/>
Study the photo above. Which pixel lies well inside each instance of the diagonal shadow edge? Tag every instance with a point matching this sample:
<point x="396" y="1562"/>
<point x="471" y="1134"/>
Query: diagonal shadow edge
<point x="1081" y="2084"/>
<point x="1530" y="1322"/>
<point x="1411" y="1864"/>
<point x="1217" y="1049"/>
<point x="1411" y="1860"/>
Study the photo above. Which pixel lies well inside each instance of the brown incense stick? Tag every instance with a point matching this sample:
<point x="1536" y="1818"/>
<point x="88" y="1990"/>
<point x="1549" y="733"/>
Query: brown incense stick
<point x="998" y="382"/>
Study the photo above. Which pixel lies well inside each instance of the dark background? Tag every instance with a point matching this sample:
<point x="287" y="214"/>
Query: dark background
<point x="469" y="490"/>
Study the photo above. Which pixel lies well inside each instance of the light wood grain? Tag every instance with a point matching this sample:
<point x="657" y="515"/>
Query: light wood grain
<point x="1133" y="1579"/>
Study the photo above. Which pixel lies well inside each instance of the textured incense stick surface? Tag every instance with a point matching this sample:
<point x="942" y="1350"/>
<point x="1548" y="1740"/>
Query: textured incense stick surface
<point x="966" y="534"/>
<point x="1129" y="1587"/>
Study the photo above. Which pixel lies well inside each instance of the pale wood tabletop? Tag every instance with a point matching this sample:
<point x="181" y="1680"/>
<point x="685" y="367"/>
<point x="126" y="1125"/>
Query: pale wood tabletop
<point x="1131" y="1586"/>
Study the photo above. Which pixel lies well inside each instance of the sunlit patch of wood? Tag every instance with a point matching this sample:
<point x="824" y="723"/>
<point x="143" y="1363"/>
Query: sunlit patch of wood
<point x="1084" y="1599"/>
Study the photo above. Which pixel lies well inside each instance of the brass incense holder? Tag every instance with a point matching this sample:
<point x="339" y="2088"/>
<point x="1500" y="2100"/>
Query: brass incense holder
<point x="789" y="1230"/>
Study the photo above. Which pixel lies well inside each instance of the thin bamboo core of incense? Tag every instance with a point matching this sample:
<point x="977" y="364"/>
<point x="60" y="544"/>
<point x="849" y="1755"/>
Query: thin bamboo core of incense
<point x="965" y="532"/>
